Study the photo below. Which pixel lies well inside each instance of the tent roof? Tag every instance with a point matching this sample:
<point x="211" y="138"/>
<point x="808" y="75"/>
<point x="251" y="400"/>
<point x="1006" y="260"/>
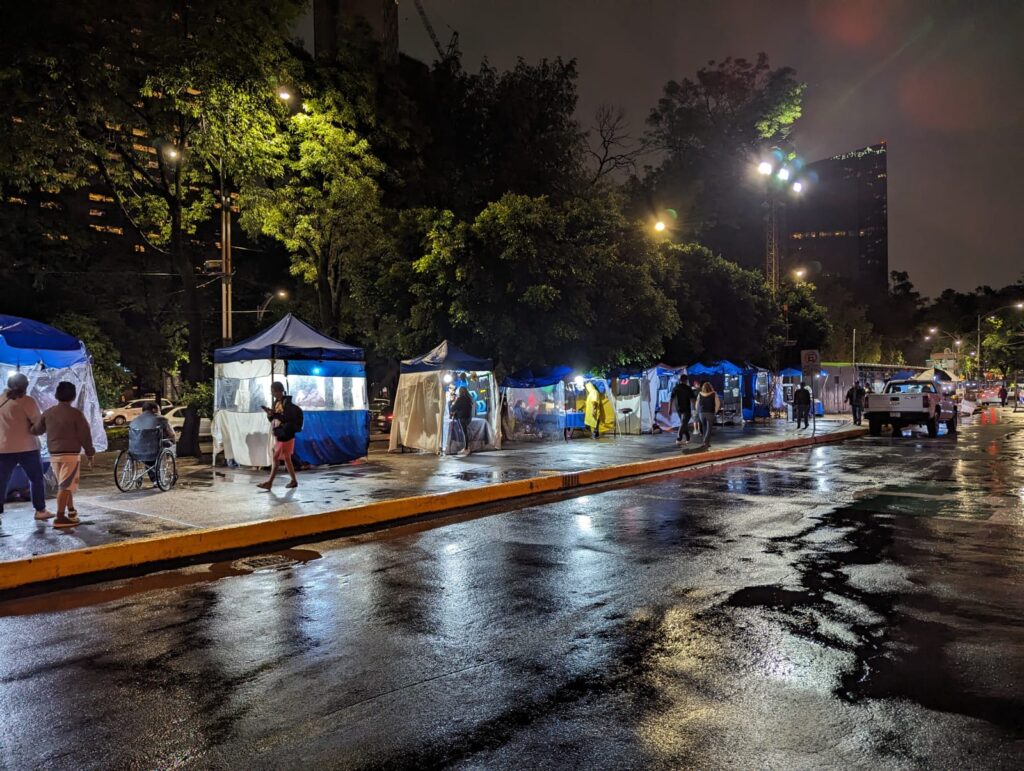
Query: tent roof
<point x="935" y="374"/>
<point x="446" y="356"/>
<point x="25" y="343"/>
<point x="722" y="367"/>
<point x="290" y="338"/>
<point x="537" y="378"/>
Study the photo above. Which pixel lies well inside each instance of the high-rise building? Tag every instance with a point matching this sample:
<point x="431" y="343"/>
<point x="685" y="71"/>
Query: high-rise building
<point x="331" y="16"/>
<point x="839" y="225"/>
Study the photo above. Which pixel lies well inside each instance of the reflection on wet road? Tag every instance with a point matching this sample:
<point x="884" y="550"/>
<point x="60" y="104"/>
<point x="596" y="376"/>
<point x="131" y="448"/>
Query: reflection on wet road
<point x="855" y="605"/>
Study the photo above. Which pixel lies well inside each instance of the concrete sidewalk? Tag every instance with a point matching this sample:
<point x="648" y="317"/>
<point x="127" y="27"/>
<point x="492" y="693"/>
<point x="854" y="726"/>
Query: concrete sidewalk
<point x="206" y="497"/>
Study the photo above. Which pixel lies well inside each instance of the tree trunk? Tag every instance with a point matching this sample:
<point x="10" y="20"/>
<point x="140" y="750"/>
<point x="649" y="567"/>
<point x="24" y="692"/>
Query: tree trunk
<point x="188" y="442"/>
<point x="325" y="297"/>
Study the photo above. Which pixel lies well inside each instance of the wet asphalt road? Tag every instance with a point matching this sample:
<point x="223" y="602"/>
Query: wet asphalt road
<point x="853" y="606"/>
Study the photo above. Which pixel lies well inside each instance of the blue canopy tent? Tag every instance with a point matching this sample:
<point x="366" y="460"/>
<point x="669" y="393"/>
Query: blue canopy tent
<point x="536" y="402"/>
<point x="426" y="388"/>
<point x="48" y="356"/>
<point x="727" y="379"/>
<point x="325" y="377"/>
<point x="791" y="378"/>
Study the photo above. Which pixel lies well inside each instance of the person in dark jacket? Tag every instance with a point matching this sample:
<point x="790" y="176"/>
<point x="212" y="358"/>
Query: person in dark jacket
<point x="855" y="398"/>
<point x="462" y="411"/>
<point x="683" y="396"/>
<point x="802" y="404"/>
<point x="286" y="419"/>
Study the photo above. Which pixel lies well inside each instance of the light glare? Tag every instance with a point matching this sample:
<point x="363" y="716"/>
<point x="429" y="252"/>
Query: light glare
<point x="764" y="168"/>
<point x="783" y="174"/>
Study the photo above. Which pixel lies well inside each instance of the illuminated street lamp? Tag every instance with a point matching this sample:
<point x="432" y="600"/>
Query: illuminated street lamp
<point x="800" y="273"/>
<point x="764" y="168"/>
<point x="798" y="187"/>
<point x="284" y="94"/>
<point x="659" y="226"/>
<point x="783" y="174"/>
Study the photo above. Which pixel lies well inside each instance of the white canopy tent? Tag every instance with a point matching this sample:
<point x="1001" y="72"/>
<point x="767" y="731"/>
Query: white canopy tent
<point x="422" y="402"/>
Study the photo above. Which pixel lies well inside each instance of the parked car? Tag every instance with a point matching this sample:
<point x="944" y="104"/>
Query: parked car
<point x="176" y="417"/>
<point x="377" y="406"/>
<point x="909" y="402"/>
<point x="384" y="419"/>
<point x="118" y="416"/>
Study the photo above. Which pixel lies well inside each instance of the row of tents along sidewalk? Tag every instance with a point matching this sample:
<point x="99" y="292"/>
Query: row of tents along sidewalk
<point x="551" y="403"/>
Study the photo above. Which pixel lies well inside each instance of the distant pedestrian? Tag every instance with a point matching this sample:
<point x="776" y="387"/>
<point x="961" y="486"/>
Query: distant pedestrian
<point x="708" y="406"/>
<point x="286" y="419"/>
<point x="683" y="396"/>
<point x="18" y="445"/>
<point x="855" y="398"/>
<point x="802" y="404"/>
<point x="67" y="436"/>
<point x="462" y="412"/>
<point x="1003" y="393"/>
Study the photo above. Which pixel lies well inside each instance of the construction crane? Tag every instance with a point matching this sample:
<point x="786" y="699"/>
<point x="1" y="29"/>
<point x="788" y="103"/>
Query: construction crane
<point x="453" y="44"/>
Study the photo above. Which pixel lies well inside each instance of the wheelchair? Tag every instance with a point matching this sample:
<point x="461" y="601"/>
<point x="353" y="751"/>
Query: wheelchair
<point x="131" y="467"/>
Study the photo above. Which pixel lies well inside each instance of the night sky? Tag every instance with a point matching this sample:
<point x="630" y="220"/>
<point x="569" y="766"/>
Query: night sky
<point x="942" y="82"/>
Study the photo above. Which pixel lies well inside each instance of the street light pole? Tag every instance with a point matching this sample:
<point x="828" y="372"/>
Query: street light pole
<point x="226" y="331"/>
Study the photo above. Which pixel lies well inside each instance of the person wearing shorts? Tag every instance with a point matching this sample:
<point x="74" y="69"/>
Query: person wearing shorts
<point x="67" y="436"/>
<point x="286" y="419"/>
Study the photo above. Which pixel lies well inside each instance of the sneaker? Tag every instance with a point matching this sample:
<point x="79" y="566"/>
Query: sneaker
<point x="62" y="521"/>
<point x="43" y="515"/>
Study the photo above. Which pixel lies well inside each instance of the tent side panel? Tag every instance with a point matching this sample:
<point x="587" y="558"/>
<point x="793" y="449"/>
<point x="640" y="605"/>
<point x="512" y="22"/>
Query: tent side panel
<point x="333" y="436"/>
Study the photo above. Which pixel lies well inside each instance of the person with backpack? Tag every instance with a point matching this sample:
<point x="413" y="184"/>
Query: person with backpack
<point x="462" y="412"/>
<point x="683" y="396"/>
<point x="67" y="436"/>
<point x="19" y="413"/>
<point x="286" y="419"/>
<point x="708" y="405"/>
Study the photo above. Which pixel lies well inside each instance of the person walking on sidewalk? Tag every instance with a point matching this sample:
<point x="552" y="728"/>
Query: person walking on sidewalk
<point x="855" y="398"/>
<point x="67" y="436"/>
<point x="18" y="445"/>
<point x="683" y="396"/>
<point x="462" y="411"/>
<point x="802" y="404"/>
<point x="708" y="406"/>
<point x="286" y="419"/>
<point x="1003" y="393"/>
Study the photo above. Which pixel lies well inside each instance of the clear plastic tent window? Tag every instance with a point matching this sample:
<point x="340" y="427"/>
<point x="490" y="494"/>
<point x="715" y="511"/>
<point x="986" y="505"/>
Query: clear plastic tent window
<point x="245" y="387"/>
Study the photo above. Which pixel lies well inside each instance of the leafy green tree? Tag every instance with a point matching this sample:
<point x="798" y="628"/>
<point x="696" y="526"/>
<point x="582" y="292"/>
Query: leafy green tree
<point x="110" y="375"/>
<point x="533" y="282"/>
<point x="726" y="311"/>
<point x="711" y="131"/>
<point x="846" y="314"/>
<point x="325" y="205"/>
<point x="161" y="103"/>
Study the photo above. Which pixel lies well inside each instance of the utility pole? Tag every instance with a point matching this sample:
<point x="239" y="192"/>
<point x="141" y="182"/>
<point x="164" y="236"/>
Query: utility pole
<point x="226" y="332"/>
<point x="771" y="240"/>
<point x="979" y="348"/>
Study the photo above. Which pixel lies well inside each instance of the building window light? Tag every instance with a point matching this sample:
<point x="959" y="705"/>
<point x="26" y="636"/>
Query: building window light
<point x="19" y="201"/>
<point x="97" y="213"/>
<point x="139" y="248"/>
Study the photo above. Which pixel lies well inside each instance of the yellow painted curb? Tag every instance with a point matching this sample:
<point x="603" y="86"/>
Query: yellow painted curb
<point x="193" y="543"/>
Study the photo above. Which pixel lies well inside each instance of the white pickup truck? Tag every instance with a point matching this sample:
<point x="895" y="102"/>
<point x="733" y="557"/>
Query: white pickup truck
<point x="909" y="402"/>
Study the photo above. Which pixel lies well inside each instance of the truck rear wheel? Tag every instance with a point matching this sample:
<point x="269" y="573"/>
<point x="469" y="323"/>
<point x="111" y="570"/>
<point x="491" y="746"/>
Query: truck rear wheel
<point x="874" y="426"/>
<point x="951" y="425"/>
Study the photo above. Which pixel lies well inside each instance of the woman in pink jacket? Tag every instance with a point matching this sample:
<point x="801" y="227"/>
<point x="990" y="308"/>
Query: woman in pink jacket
<point x="18" y="447"/>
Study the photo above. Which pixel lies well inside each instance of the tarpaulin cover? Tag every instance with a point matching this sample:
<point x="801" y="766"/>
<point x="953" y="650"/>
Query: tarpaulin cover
<point x="537" y="378"/>
<point x="26" y="343"/>
<point x="903" y="374"/>
<point x="333" y="437"/>
<point x="421" y="419"/>
<point x="327" y="368"/>
<point x="794" y="372"/>
<point x="445" y="356"/>
<point x="290" y="338"/>
<point x="722" y="367"/>
<point x="536" y="412"/>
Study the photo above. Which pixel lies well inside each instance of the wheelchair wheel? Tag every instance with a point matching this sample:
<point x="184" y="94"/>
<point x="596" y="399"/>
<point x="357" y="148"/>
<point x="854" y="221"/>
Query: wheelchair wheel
<point x="126" y="475"/>
<point x="166" y="471"/>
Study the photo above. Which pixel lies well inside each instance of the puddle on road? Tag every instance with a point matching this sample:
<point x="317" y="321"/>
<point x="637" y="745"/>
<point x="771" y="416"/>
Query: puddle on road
<point x="72" y="599"/>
